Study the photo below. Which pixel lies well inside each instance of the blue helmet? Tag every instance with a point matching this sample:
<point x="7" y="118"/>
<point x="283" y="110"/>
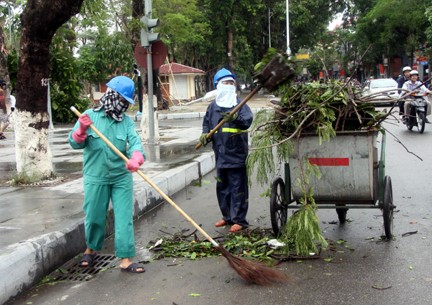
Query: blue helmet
<point x="221" y="74"/>
<point x="124" y="86"/>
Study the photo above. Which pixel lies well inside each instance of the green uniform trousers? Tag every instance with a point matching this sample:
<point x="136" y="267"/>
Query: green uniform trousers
<point x="96" y="202"/>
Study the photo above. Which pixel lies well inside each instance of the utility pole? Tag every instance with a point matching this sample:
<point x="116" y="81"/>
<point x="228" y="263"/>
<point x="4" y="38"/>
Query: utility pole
<point x="147" y="37"/>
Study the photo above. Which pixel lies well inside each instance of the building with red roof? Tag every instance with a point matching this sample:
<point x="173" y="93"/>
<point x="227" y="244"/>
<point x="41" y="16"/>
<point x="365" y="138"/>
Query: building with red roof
<point x="180" y="82"/>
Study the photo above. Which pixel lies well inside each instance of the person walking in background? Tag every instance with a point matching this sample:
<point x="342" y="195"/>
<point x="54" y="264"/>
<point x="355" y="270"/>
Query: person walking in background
<point x="106" y="176"/>
<point x="12" y="101"/>
<point x="230" y="145"/>
<point x="6" y="121"/>
<point x="3" y="109"/>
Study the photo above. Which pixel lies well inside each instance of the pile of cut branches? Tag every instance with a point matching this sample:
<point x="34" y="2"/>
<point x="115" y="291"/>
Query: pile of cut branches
<point x="250" y="243"/>
<point x="320" y="108"/>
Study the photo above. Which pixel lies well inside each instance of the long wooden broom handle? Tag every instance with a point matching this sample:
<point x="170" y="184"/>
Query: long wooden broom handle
<point x="149" y="181"/>
<point x="236" y="108"/>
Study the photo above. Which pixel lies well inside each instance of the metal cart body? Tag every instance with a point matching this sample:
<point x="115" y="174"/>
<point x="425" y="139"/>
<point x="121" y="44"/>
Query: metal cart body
<point x="352" y="176"/>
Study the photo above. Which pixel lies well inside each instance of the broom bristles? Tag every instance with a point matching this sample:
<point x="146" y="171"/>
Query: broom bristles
<point x="254" y="272"/>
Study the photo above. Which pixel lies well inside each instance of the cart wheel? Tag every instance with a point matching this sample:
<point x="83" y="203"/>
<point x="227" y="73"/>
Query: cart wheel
<point x="278" y="206"/>
<point x="388" y="207"/>
<point x="341" y="215"/>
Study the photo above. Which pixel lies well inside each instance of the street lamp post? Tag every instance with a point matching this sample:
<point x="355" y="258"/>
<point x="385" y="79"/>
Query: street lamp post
<point x="269" y="29"/>
<point x="287" y="28"/>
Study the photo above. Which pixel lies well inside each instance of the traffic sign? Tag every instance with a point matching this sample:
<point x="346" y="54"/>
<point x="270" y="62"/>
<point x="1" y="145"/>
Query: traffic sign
<point x="422" y="58"/>
<point x="159" y="53"/>
<point x="302" y="56"/>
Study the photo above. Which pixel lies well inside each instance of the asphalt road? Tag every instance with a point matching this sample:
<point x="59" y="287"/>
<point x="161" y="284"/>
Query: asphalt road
<point x="365" y="270"/>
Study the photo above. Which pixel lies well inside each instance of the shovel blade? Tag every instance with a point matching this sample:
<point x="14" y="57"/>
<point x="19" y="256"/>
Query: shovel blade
<point x="274" y="73"/>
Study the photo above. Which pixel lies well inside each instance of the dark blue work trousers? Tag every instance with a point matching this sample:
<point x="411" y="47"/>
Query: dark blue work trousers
<point x="233" y="194"/>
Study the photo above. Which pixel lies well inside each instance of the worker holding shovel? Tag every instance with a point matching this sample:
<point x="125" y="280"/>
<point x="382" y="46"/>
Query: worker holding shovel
<point x="230" y="145"/>
<point x="106" y="176"/>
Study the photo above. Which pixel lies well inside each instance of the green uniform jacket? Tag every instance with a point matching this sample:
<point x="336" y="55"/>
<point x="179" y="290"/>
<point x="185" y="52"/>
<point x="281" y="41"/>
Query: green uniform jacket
<point x="101" y="164"/>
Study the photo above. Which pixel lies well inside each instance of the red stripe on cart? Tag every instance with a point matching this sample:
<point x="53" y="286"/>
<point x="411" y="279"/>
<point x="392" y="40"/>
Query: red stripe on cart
<point x="329" y="161"/>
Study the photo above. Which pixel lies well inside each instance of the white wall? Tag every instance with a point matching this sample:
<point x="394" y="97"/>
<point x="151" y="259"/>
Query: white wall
<point x="179" y="87"/>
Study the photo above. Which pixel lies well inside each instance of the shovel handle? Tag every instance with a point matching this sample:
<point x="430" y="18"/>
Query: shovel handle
<point x="149" y="181"/>
<point x="236" y="108"/>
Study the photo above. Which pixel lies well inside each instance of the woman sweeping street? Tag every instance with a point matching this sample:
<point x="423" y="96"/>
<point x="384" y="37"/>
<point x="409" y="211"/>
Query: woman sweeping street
<point x="106" y="176"/>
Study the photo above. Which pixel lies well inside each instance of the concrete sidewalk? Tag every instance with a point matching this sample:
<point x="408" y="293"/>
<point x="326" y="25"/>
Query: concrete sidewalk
<point x="42" y="225"/>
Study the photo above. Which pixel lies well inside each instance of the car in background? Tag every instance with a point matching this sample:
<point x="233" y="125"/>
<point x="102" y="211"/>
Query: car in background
<point x="382" y="91"/>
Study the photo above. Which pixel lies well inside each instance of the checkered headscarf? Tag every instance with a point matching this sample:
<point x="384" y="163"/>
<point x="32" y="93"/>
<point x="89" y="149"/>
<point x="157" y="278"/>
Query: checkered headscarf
<point x="114" y="105"/>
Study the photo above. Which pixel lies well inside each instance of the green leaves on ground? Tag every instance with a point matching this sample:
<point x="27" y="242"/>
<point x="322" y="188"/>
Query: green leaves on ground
<point x="248" y="243"/>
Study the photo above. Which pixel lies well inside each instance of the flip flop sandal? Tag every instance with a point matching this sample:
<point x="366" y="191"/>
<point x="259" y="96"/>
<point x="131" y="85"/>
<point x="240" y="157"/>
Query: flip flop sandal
<point x="235" y="228"/>
<point x="133" y="268"/>
<point x="88" y="259"/>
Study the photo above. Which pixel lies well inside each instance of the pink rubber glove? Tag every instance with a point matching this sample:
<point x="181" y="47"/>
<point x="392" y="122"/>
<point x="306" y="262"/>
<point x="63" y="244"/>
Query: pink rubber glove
<point x="81" y="133"/>
<point x="135" y="161"/>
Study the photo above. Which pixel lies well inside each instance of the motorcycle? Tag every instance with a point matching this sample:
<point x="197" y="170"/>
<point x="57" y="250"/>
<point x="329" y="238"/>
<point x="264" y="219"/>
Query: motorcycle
<point x="417" y="112"/>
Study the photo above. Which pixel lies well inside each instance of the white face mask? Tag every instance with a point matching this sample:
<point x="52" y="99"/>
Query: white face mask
<point x="226" y="95"/>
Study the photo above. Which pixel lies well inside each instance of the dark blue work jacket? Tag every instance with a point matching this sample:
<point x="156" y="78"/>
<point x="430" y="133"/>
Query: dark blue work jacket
<point x="230" y="142"/>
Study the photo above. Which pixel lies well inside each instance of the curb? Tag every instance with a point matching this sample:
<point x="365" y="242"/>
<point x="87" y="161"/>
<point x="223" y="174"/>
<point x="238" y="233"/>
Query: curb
<point x="181" y="116"/>
<point x="25" y="263"/>
<point x="189" y="115"/>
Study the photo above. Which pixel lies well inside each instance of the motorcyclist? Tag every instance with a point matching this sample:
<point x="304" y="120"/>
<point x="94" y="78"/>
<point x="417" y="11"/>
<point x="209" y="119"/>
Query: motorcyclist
<point x="415" y="85"/>
<point x="401" y="80"/>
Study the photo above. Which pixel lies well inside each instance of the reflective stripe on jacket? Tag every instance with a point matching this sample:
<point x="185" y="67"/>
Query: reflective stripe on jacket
<point x="230" y="142"/>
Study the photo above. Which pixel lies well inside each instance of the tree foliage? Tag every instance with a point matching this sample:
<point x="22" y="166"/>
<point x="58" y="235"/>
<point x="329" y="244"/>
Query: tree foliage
<point x="65" y="77"/>
<point x="235" y="34"/>
<point x="183" y="29"/>
<point x="391" y="30"/>
<point x="107" y="55"/>
<point x="428" y="31"/>
<point x="210" y="34"/>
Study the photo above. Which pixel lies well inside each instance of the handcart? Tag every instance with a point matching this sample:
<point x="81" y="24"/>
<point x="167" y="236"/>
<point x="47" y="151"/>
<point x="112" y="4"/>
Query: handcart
<point x="352" y="177"/>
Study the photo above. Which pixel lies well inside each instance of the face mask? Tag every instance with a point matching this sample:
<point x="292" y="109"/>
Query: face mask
<point x="226" y="95"/>
<point x="113" y="104"/>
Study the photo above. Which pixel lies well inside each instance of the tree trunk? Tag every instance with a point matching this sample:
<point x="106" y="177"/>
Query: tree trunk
<point x="40" y="20"/>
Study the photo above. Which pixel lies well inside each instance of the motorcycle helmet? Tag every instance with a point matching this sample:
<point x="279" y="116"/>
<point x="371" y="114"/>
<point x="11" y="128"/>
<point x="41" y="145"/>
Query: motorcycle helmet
<point x="222" y="73"/>
<point x="414" y="72"/>
<point x="124" y="86"/>
<point x="407" y="68"/>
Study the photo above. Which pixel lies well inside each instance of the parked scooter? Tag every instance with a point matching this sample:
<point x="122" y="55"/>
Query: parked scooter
<point x="417" y="112"/>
